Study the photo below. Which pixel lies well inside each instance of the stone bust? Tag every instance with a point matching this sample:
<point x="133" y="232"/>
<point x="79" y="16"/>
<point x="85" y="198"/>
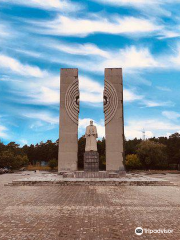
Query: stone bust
<point x="91" y="135"/>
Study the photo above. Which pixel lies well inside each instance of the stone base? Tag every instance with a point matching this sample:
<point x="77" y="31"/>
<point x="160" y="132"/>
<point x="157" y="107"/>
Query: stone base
<point x="114" y="174"/>
<point x="98" y="174"/>
<point x="49" y="179"/>
<point x="91" y="161"/>
<point x="90" y="181"/>
<point x="93" y="174"/>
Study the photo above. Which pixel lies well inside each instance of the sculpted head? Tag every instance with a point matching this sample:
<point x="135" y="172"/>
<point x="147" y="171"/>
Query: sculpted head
<point x="91" y="123"/>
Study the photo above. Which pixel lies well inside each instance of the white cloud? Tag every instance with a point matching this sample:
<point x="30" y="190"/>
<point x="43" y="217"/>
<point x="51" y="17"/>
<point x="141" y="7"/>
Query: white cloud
<point x="94" y="59"/>
<point x="170" y="34"/>
<point x="150" y="103"/>
<point x="58" y="5"/>
<point x="131" y="57"/>
<point x="130" y="133"/>
<point x="175" y="59"/>
<point x="171" y="115"/>
<point x="81" y="27"/>
<point x="134" y="3"/>
<point x="36" y="125"/>
<point x="165" y="89"/>
<point x="29" y="53"/>
<point x="134" y="128"/>
<point x="3" y="131"/>
<point x="153" y="127"/>
<point x="83" y="123"/>
<point x="23" y="142"/>
<point x="44" y="95"/>
<point x="90" y="90"/>
<point x="17" y="67"/>
<point x="78" y="49"/>
<point x="4" y="32"/>
<point x="37" y="91"/>
<point x="42" y="116"/>
<point x="150" y="7"/>
<point x="45" y="91"/>
<point x="130" y="96"/>
<point x="170" y="60"/>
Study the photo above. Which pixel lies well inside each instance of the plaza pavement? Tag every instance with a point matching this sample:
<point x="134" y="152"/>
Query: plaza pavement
<point x="88" y="212"/>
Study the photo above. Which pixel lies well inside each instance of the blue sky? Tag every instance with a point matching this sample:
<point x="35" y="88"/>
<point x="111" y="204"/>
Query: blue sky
<point x="38" y="37"/>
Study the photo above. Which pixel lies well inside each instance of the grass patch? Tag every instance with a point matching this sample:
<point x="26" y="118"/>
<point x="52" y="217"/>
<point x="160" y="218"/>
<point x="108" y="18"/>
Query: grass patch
<point x="40" y="168"/>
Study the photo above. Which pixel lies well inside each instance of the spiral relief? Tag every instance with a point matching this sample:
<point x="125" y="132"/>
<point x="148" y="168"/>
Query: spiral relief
<point x="72" y="101"/>
<point x="110" y="101"/>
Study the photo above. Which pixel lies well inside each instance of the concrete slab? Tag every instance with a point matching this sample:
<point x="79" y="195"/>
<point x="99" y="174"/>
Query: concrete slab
<point x="129" y="180"/>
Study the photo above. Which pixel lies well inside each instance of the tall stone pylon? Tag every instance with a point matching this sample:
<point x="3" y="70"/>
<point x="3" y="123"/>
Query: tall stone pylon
<point x="69" y="115"/>
<point x="114" y="121"/>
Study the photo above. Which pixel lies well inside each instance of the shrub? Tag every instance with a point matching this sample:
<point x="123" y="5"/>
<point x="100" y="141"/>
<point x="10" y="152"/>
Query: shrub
<point x="53" y="163"/>
<point x="152" y="155"/>
<point x="19" y="161"/>
<point x="10" y="160"/>
<point x="132" y="162"/>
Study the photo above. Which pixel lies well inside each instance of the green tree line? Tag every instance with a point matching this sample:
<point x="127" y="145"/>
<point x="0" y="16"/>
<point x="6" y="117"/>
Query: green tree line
<point x="154" y="153"/>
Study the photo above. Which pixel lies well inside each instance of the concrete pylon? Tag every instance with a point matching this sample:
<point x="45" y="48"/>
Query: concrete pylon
<point x="69" y="114"/>
<point x="114" y="121"/>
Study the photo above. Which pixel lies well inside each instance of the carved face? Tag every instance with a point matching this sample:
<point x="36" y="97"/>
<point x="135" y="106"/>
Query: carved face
<point x="91" y="123"/>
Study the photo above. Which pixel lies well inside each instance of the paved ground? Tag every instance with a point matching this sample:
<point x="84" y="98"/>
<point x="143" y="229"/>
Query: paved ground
<point x="88" y="212"/>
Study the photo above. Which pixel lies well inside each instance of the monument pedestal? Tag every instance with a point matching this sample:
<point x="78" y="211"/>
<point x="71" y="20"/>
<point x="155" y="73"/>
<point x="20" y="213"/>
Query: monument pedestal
<point x="91" y="161"/>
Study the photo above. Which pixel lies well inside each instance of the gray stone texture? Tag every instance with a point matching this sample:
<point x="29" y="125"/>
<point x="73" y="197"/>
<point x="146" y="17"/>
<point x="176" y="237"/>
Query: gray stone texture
<point x="91" y="161"/>
<point x="114" y="129"/>
<point x="68" y="129"/>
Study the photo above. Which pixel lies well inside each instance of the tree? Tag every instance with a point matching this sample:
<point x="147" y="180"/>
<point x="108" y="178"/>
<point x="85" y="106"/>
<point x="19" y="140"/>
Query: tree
<point x="2" y="146"/>
<point x="41" y="152"/>
<point x="53" y="163"/>
<point x="81" y="150"/>
<point x="6" y="158"/>
<point x="131" y="146"/>
<point x="155" y="153"/>
<point x="152" y="155"/>
<point x="19" y="161"/>
<point x="101" y="146"/>
<point x="10" y="160"/>
<point x="132" y="162"/>
<point x="173" y="148"/>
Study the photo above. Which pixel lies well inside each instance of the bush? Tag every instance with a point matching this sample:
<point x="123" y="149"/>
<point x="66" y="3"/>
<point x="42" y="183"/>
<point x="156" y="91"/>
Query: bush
<point x="10" y="160"/>
<point x="53" y="163"/>
<point x="132" y="162"/>
<point x="19" y="161"/>
<point x="152" y="155"/>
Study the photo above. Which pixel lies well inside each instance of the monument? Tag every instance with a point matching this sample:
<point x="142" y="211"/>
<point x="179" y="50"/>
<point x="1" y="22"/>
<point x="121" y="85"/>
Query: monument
<point x="69" y="115"/>
<point x="114" y="124"/>
<point x="91" y="156"/>
<point x="114" y="120"/>
<point x="91" y="135"/>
